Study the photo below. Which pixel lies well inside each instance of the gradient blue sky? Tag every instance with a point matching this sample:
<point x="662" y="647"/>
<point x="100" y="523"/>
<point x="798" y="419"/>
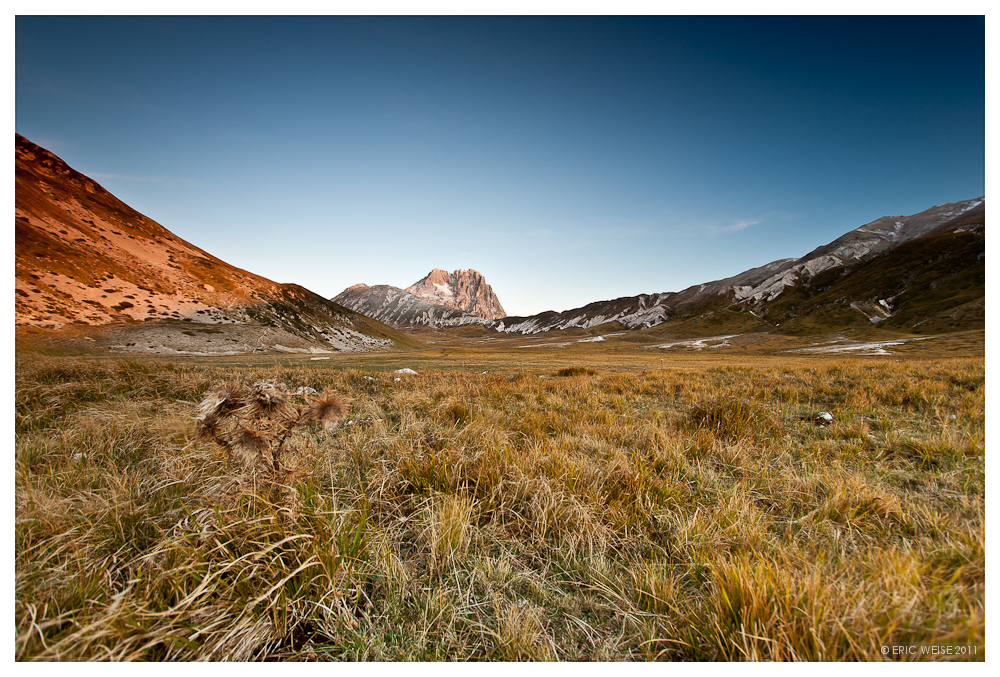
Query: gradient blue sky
<point x="569" y="159"/>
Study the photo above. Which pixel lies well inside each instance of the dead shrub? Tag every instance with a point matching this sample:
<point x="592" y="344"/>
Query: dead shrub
<point x="254" y="423"/>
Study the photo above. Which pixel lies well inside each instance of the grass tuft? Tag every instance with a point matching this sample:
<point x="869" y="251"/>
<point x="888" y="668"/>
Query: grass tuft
<point x="575" y="371"/>
<point x="733" y="419"/>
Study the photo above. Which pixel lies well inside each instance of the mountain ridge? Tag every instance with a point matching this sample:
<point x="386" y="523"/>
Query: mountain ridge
<point x="769" y="296"/>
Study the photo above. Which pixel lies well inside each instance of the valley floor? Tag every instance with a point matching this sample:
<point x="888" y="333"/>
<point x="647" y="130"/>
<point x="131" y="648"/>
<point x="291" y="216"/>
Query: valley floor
<point x="593" y="501"/>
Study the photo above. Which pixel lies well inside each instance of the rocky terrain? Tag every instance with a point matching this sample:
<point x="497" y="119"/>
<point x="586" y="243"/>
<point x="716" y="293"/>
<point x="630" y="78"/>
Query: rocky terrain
<point x="886" y="275"/>
<point x="440" y="299"/>
<point x="863" y="244"/>
<point x="399" y="308"/>
<point x="464" y="290"/>
<point x="636" y="312"/>
<point x="84" y="258"/>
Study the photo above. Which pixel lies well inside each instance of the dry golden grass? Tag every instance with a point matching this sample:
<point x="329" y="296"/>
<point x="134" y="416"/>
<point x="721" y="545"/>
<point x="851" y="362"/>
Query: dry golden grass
<point x="677" y="514"/>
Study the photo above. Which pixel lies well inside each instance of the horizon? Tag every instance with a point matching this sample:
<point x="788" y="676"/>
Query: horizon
<point x="568" y="159"/>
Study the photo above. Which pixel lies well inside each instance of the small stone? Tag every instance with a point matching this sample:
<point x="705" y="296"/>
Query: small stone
<point x="824" y="418"/>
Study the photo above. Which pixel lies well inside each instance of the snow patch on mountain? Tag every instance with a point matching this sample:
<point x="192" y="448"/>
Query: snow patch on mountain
<point x="700" y="343"/>
<point x="857" y="347"/>
<point x="635" y="316"/>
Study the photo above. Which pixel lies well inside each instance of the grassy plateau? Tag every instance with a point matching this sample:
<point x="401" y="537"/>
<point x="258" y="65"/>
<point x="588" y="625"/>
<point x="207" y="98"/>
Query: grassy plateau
<point x="525" y="504"/>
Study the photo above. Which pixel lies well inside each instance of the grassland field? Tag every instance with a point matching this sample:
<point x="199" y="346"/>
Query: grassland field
<point x="588" y="502"/>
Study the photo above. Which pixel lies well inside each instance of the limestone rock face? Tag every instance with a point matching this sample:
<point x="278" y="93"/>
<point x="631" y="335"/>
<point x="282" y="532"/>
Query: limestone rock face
<point x="464" y="290"/>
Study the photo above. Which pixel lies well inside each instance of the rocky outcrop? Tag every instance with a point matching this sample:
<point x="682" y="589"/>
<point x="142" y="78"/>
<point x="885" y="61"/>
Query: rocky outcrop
<point x="464" y="290"/>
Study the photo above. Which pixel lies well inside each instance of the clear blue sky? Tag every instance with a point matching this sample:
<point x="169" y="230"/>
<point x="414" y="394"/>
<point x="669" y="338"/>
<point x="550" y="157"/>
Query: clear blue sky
<point x="568" y="159"/>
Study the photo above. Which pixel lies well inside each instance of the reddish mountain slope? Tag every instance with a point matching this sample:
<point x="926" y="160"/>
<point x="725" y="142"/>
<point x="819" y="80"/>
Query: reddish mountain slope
<point x="83" y="257"/>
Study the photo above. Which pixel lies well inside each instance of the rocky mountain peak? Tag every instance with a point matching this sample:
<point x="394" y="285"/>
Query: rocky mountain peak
<point x="464" y="290"/>
<point x="438" y="276"/>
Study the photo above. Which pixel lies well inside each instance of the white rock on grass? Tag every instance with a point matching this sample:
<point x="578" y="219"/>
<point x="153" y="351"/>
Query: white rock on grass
<point x="824" y="418"/>
<point x="404" y="371"/>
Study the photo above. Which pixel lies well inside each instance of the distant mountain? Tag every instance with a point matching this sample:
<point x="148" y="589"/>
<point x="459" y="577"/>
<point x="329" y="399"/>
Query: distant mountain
<point x="924" y="272"/>
<point x="918" y="273"/>
<point x="399" y="308"/>
<point x="636" y="312"/>
<point x="464" y="290"/>
<point x="862" y="244"/>
<point x="83" y="257"/>
<point x="440" y="299"/>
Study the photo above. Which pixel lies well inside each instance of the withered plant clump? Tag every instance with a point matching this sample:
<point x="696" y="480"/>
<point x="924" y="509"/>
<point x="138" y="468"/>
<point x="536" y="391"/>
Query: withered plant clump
<point x="253" y="423"/>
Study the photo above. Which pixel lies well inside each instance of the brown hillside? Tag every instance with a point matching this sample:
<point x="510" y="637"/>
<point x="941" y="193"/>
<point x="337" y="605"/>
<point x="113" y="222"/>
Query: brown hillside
<point x="85" y="258"/>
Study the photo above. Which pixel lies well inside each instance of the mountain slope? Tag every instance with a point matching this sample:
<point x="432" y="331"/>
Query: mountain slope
<point x="858" y="245"/>
<point x="637" y="312"/>
<point x="933" y="282"/>
<point x="83" y="257"/>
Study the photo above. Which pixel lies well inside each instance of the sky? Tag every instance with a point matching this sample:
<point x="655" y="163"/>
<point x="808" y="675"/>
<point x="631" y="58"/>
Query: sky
<point x="569" y="159"/>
